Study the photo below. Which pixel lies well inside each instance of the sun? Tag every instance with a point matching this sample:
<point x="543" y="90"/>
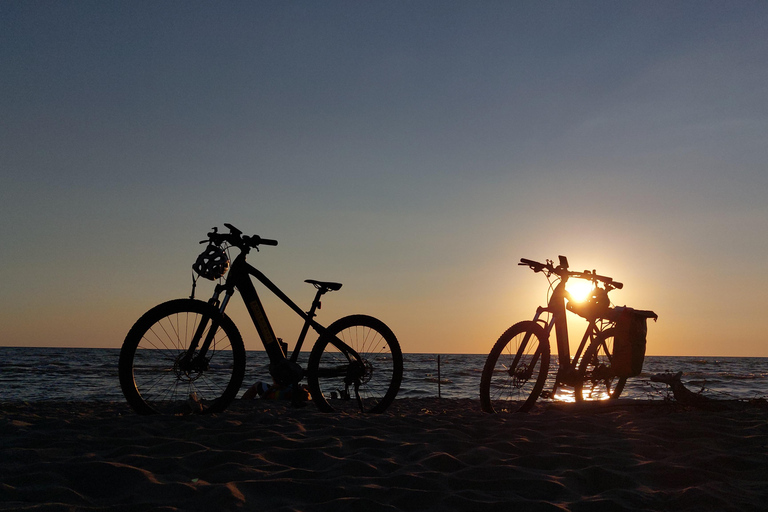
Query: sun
<point x="579" y="289"/>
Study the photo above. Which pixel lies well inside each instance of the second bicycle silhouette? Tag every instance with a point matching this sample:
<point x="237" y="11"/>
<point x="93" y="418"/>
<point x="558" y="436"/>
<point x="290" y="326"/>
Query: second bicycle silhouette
<point x="188" y="353"/>
<point x="611" y="350"/>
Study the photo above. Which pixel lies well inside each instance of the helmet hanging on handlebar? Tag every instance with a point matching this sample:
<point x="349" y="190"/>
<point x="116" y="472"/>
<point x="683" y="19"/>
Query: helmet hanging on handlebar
<point x="596" y="305"/>
<point x="212" y="263"/>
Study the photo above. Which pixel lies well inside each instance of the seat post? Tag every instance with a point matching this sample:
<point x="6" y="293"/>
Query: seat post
<point x="305" y="329"/>
<point x="316" y="302"/>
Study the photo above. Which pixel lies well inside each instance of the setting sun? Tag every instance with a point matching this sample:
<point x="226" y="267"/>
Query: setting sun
<point x="579" y="289"/>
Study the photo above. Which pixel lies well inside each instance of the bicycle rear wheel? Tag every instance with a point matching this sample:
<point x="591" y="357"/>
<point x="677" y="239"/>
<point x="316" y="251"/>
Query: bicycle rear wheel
<point x="596" y="380"/>
<point x="339" y="381"/>
<point x="157" y="375"/>
<point x="516" y="369"/>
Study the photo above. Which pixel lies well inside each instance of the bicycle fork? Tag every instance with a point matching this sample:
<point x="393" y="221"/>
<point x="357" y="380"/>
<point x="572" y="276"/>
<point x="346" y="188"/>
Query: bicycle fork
<point x="192" y="360"/>
<point x="522" y="374"/>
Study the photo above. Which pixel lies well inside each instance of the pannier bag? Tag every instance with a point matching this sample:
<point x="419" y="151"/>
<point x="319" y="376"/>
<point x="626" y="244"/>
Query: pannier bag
<point x="629" y="340"/>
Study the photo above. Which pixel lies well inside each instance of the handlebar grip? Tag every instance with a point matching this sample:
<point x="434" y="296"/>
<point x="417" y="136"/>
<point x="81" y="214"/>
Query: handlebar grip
<point x="264" y="241"/>
<point x="617" y="285"/>
<point x="535" y="265"/>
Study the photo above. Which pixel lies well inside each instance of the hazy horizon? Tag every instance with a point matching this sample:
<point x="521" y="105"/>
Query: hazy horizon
<point x="413" y="151"/>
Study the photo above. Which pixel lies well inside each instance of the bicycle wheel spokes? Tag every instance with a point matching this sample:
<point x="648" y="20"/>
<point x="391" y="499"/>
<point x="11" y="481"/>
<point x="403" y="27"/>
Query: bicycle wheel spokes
<point x="516" y="369"/>
<point x="341" y="381"/>
<point x="166" y="376"/>
<point x="356" y="384"/>
<point x="159" y="374"/>
<point x="512" y="374"/>
<point x="596" y="378"/>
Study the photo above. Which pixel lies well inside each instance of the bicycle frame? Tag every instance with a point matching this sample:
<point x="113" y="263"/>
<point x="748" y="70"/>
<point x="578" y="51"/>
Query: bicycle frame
<point x="556" y="307"/>
<point x="284" y="370"/>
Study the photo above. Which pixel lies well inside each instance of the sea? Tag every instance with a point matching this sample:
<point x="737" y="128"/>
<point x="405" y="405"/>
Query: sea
<point x="90" y="375"/>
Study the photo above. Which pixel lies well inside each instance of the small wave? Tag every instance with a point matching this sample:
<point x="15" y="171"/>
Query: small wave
<point x="435" y="380"/>
<point x="742" y="376"/>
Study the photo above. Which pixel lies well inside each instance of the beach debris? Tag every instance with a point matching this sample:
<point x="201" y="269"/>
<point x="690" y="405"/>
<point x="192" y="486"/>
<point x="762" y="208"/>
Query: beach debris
<point x="277" y="392"/>
<point x="684" y="395"/>
<point x="194" y="404"/>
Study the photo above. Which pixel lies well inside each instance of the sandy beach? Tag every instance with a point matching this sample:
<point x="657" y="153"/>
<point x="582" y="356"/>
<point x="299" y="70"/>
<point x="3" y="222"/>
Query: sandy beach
<point x="423" y="454"/>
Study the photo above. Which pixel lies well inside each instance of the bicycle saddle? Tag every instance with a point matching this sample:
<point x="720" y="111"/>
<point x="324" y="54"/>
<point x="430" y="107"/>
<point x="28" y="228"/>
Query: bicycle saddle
<point x="324" y="284"/>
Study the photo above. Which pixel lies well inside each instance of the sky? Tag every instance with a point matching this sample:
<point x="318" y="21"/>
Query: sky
<point x="412" y="150"/>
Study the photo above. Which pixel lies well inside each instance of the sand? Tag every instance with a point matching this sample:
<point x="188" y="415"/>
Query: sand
<point x="423" y="454"/>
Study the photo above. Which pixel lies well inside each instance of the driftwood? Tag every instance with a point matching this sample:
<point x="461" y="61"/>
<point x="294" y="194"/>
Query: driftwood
<point x="684" y="395"/>
<point x="688" y="398"/>
<point x="680" y="392"/>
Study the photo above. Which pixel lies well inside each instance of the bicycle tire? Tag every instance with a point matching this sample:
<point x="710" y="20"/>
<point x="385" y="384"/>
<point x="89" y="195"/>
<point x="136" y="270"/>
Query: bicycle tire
<point x="595" y="378"/>
<point x="379" y="373"/>
<point x="151" y="371"/>
<point x="509" y="382"/>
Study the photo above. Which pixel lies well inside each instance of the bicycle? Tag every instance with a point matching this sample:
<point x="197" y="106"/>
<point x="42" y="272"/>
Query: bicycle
<point x="517" y="367"/>
<point x="188" y="354"/>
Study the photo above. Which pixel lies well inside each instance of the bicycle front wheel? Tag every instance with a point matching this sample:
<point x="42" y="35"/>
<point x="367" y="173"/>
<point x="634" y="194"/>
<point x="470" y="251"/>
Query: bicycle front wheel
<point x="596" y="380"/>
<point x="158" y="374"/>
<point x="341" y="381"/>
<point x="516" y="369"/>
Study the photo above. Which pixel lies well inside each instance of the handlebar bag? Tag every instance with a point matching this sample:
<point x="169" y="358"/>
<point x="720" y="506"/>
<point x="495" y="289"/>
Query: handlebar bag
<point x="629" y="341"/>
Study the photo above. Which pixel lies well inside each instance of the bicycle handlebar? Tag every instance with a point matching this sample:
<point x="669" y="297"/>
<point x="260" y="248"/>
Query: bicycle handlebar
<point x="564" y="272"/>
<point x="535" y="265"/>
<point x="236" y="238"/>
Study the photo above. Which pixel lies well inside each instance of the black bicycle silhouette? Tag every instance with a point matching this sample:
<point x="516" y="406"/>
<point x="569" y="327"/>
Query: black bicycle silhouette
<point x="187" y="353"/>
<point x="517" y="367"/>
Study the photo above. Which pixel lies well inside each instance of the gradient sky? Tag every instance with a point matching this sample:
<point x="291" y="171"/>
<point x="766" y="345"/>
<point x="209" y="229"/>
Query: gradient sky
<point x="413" y="150"/>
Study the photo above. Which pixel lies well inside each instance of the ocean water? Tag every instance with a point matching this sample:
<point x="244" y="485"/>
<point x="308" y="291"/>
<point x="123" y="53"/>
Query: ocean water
<point x="80" y="374"/>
